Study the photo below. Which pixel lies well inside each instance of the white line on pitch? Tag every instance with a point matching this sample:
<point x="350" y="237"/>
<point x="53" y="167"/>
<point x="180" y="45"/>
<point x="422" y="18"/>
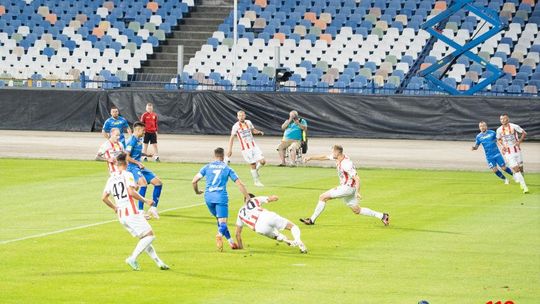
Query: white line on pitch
<point x="84" y="226"/>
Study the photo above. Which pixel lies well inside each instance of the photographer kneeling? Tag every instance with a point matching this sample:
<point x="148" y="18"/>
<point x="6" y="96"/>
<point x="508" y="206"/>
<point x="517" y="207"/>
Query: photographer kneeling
<point x="292" y="137"/>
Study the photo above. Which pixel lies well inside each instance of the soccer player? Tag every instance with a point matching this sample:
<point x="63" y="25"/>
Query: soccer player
<point x="244" y="130"/>
<point x="488" y="140"/>
<point x="266" y="222"/>
<point x="121" y="185"/>
<point x="507" y="137"/>
<point x="110" y="149"/>
<point x="142" y="175"/>
<point x="217" y="173"/>
<point x="348" y="190"/>
<point x="150" y="121"/>
<point x="116" y="121"/>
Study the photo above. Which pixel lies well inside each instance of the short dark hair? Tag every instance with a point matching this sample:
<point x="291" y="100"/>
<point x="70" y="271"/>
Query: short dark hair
<point x="505" y="114"/>
<point x="138" y="124"/>
<point x="338" y="148"/>
<point x="114" y="107"/>
<point x="121" y="158"/>
<point x="251" y="195"/>
<point x="219" y="152"/>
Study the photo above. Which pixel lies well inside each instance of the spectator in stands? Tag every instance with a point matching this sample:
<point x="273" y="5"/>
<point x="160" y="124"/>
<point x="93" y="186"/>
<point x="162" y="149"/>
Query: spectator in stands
<point x="294" y="129"/>
<point x="116" y="121"/>
<point x="150" y="120"/>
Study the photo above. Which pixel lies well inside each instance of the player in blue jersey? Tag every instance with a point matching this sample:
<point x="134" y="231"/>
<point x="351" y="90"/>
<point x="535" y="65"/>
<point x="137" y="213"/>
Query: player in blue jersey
<point x="116" y="121"/>
<point x="142" y="175"/>
<point x="217" y="174"/>
<point x="488" y="140"/>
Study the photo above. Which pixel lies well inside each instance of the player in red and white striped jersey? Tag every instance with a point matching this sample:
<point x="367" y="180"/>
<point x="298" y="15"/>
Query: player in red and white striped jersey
<point x="244" y="130"/>
<point x="110" y="149"/>
<point x="121" y="184"/>
<point x="266" y="222"/>
<point x="348" y="190"/>
<point x="507" y="137"/>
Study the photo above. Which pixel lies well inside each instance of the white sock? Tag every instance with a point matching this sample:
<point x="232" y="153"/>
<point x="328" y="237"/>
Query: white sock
<point x="153" y="255"/>
<point x="519" y="177"/>
<point x="255" y="174"/>
<point x="280" y="237"/>
<point x="369" y="212"/>
<point x="141" y="246"/>
<point x="318" y="210"/>
<point x="258" y="166"/>
<point x="296" y="233"/>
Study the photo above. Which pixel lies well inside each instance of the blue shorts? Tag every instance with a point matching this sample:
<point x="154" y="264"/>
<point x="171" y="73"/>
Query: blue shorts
<point x="138" y="173"/>
<point x="495" y="160"/>
<point x="217" y="204"/>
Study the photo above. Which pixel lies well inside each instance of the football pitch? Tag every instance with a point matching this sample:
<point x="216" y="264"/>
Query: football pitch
<point x="454" y="237"/>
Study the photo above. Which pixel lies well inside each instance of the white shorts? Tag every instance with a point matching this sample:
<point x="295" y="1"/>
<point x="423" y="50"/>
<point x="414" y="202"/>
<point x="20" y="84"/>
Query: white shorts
<point x="136" y="224"/>
<point x="252" y="155"/>
<point x="348" y="194"/>
<point x="270" y="223"/>
<point x="513" y="159"/>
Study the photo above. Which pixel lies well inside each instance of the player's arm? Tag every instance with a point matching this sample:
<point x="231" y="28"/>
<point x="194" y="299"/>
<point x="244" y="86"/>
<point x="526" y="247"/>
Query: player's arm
<point x="242" y="188"/>
<point x="195" y="183"/>
<point x="132" y="191"/>
<point x="316" y="157"/>
<point x="475" y="147"/>
<point x="133" y="161"/>
<point x="257" y="132"/>
<point x="128" y="129"/>
<point x="238" y="234"/>
<point x="105" y="198"/>
<point x="229" y="149"/>
<point x="272" y="198"/>
<point x="522" y="137"/>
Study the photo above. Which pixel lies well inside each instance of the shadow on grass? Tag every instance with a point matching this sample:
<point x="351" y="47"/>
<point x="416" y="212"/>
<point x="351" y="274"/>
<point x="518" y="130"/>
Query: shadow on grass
<point x="426" y="230"/>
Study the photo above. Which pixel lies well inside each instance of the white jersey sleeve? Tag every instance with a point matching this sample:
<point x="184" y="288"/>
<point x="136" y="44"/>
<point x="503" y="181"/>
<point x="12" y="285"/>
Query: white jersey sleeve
<point x="235" y="128"/>
<point x="348" y="167"/>
<point x="130" y="179"/>
<point x="259" y="200"/>
<point x="249" y="124"/>
<point x="499" y="132"/>
<point x="517" y="128"/>
<point x="108" y="185"/>
<point x="239" y="222"/>
<point x="330" y="157"/>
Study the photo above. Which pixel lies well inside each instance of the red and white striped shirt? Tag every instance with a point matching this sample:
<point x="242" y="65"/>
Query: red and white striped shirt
<point x="251" y="211"/>
<point x="346" y="171"/>
<point x="109" y="150"/>
<point x="243" y="131"/>
<point x="509" y="137"/>
<point x="117" y="185"/>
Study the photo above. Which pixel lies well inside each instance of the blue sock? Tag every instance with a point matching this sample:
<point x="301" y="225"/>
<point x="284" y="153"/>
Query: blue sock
<point x="500" y="175"/>
<point x="142" y="192"/>
<point x="222" y="228"/>
<point x="509" y="171"/>
<point x="156" y="194"/>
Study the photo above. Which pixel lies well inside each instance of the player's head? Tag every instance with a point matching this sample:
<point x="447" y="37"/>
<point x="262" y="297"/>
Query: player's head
<point x="241" y="115"/>
<point x="114" y="135"/>
<point x="121" y="160"/>
<point x="293" y="113"/>
<point x="219" y="153"/>
<point x="482" y="126"/>
<point x="504" y="119"/>
<point x="337" y="150"/>
<point x="138" y="129"/>
<point x="114" y="112"/>
<point x="251" y="195"/>
<point x="149" y="107"/>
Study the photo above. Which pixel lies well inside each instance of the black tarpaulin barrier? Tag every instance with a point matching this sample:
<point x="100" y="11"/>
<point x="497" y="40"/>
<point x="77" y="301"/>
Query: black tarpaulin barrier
<point x="328" y="115"/>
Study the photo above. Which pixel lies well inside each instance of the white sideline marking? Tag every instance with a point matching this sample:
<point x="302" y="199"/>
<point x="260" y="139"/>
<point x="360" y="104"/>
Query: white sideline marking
<point x="84" y="226"/>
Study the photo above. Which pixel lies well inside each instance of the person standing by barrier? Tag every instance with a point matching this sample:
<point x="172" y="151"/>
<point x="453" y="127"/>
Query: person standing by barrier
<point x="294" y="129"/>
<point x="150" y="120"/>
<point x="116" y="121"/>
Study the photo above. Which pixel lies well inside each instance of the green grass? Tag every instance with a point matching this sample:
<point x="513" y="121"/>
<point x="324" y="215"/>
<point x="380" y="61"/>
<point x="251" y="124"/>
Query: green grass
<point x="455" y="237"/>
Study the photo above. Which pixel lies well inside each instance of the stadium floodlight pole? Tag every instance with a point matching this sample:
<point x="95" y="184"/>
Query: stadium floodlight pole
<point x="180" y="63"/>
<point x="235" y="37"/>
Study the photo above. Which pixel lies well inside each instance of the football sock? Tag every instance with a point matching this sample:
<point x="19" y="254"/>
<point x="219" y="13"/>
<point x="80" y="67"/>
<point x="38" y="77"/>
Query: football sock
<point x="318" y="210"/>
<point x="141" y="246"/>
<point x="142" y="192"/>
<point x="296" y="233"/>
<point x="156" y="194"/>
<point x="508" y="170"/>
<point x="369" y="212"/>
<point x="520" y="178"/>
<point x="255" y="174"/>
<point x="222" y="228"/>
<point x="152" y="253"/>
<point x="500" y="175"/>
<point x="258" y="166"/>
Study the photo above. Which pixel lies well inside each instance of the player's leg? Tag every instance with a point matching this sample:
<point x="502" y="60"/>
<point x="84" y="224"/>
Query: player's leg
<point x="282" y="147"/>
<point x="138" y="227"/>
<point x="259" y="162"/>
<point x="158" y="185"/>
<point x="356" y="209"/>
<point x="295" y="231"/>
<point x="141" y="182"/>
<point x="513" y="162"/>
<point x="321" y="204"/>
<point x="222" y="213"/>
<point x="153" y="142"/>
<point x="146" y="140"/>
<point x="499" y="174"/>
